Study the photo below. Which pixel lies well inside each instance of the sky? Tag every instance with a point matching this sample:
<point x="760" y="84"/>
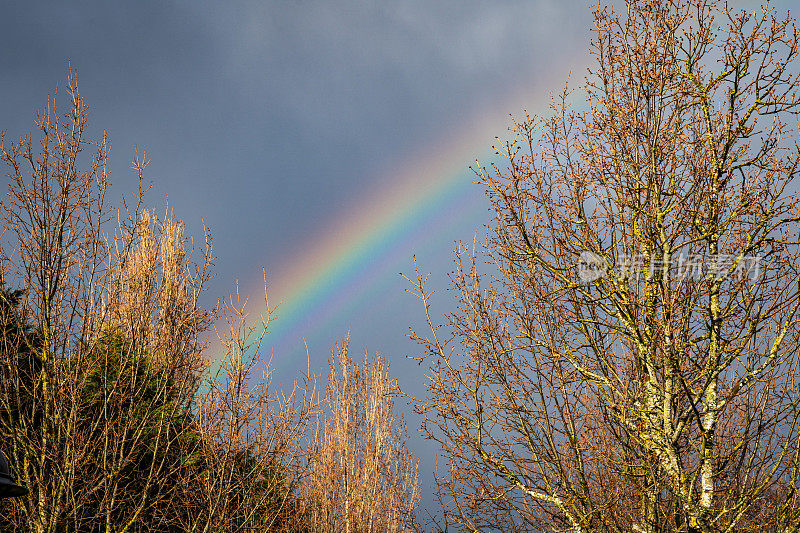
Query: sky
<point x="328" y="143"/>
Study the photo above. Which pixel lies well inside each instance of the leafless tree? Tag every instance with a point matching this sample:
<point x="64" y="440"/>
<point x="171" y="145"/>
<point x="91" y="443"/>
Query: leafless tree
<point x="254" y="436"/>
<point x="628" y="362"/>
<point x="361" y="476"/>
<point x="104" y="363"/>
<point x="95" y="389"/>
<point x="109" y="409"/>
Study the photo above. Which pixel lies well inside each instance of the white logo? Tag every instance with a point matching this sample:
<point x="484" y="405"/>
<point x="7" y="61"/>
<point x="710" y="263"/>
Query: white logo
<point x="591" y="267"/>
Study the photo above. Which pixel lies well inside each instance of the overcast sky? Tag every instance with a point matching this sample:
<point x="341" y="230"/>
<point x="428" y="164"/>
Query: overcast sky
<point x="270" y="120"/>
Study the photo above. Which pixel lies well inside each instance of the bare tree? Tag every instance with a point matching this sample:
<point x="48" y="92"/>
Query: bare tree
<point x="254" y="436"/>
<point x="361" y="475"/>
<point x="102" y="368"/>
<point x="629" y="361"/>
<point x="106" y="406"/>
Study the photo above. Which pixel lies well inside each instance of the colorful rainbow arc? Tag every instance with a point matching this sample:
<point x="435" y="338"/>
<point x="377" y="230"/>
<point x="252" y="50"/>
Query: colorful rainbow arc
<point x="322" y="270"/>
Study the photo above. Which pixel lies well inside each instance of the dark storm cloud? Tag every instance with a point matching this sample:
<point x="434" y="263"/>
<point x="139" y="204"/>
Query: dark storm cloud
<point x="273" y="105"/>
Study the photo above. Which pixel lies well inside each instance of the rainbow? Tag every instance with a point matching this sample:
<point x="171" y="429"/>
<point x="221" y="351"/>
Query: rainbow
<point x="322" y="274"/>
